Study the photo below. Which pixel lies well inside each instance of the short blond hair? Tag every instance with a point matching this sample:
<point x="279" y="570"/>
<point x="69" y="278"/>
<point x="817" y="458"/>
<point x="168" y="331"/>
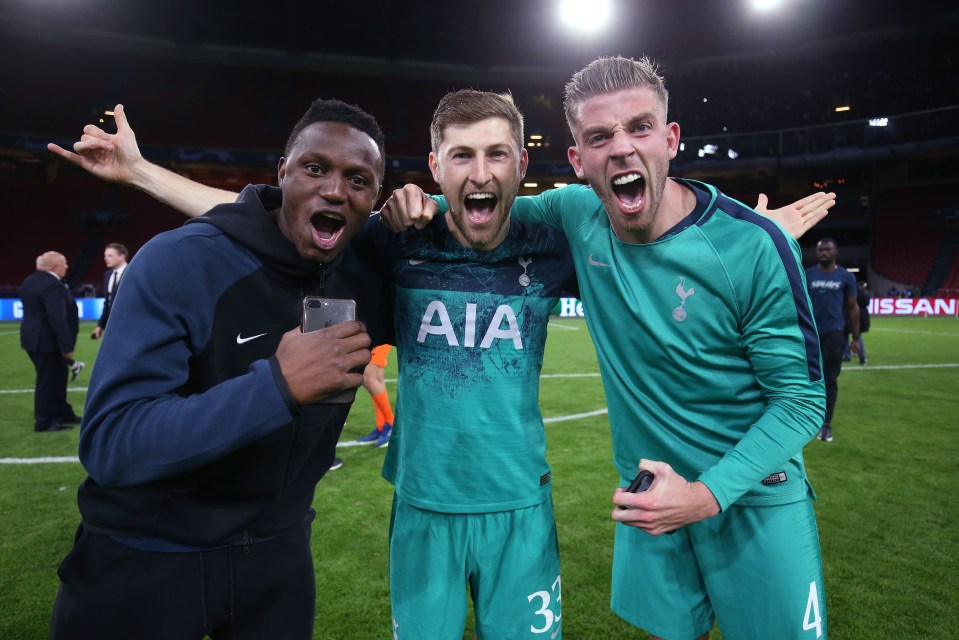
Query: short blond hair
<point x="609" y="74"/>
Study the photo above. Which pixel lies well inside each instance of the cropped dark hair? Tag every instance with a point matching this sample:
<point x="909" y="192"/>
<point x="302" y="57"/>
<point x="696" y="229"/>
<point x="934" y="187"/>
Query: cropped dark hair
<point x="338" y="111"/>
<point x="119" y="248"/>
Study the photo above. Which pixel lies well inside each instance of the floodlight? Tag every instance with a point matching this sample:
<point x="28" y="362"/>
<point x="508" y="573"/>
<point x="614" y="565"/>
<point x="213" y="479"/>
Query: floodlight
<point x="766" y="5"/>
<point x="585" y="16"/>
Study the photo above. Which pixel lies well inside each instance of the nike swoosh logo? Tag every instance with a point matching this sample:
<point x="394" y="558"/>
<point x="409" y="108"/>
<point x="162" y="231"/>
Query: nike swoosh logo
<point x="414" y="262"/>
<point x="595" y="263"/>
<point x="241" y="340"/>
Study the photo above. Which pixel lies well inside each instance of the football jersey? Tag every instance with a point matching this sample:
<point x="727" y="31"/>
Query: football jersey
<point x="706" y="342"/>
<point x="470" y="336"/>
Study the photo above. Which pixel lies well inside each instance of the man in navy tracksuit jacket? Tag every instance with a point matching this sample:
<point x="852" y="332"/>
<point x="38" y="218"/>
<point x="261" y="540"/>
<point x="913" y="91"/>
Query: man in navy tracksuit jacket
<point x="205" y="430"/>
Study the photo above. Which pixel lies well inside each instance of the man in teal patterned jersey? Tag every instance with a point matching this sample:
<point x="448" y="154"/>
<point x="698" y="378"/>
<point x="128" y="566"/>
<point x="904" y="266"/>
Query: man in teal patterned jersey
<point x="709" y="355"/>
<point x="474" y="291"/>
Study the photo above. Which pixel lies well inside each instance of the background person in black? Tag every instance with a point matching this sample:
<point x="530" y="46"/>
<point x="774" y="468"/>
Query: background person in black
<point x="832" y="291"/>
<point x="48" y="334"/>
<point x="863" y="297"/>
<point x="115" y="257"/>
<point x="205" y="430"/>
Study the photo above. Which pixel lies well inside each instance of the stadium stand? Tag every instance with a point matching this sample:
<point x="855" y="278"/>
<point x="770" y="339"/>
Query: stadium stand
<point x="768" y="124"/>
<point x="908" y="234"/>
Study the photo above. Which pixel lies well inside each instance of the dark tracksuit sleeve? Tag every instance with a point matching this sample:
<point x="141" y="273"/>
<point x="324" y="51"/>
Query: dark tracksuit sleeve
<point x="137" y="426"/>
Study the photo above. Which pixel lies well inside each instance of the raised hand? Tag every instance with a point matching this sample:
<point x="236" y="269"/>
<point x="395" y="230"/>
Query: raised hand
<point x="800" y="216"/>
<point x="114" y="157"/>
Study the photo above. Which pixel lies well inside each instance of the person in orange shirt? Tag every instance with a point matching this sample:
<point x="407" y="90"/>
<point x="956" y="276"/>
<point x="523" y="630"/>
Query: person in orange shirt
<point x="375" y="382"/>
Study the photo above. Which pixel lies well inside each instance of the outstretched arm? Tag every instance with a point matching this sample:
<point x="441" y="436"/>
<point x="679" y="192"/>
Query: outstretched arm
<point x="800" y="216"/>
<point x="116" y="158"/>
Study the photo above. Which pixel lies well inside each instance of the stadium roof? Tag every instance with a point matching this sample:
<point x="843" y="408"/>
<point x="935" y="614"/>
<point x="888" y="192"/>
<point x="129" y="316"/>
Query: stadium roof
<point x="457" y="34"/>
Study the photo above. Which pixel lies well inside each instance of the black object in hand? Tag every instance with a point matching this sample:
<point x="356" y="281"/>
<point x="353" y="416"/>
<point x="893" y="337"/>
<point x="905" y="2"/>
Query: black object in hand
<point x="641" y="482"/>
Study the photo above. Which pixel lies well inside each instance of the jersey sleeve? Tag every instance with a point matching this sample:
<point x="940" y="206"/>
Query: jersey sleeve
<point x="138" y="424"/>
<point x="779" y="337"/>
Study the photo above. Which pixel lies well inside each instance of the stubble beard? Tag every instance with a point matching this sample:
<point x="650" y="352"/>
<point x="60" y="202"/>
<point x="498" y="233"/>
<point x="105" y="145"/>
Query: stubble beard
<point x="641" y="223"/>
<point x="477" y="240"/>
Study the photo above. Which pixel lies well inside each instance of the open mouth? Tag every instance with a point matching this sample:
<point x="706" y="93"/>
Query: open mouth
<point x="480" y="207"/>
<point x="630" y="192"/>
<point x="326" y="228"/>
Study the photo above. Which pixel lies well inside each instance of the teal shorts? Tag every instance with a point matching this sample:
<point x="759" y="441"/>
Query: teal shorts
<point x="756" y="570"/>
<point x="509" y="559"/>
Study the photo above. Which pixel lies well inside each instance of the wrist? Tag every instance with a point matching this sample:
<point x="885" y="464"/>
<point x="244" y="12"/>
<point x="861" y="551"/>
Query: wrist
<point x="143" y="174"/>
<point x="706" y="503"/>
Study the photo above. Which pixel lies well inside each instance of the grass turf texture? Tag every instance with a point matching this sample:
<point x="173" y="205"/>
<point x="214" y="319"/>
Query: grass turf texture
<point x="887" y="487"/>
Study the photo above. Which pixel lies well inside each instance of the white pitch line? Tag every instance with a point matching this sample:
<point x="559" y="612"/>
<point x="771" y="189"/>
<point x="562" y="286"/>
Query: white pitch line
<point x="353" y="443"/>
<point x="570" y="375"/>
<point x="38" y="460"/>
<point x="339" y="445"/>
<point x="576" y="416"/>
<point x="31" y="390"/>
<point x="555" y="325"/>
<point x="922" y="333"/>
<point x="849" y="367"/>
<point x="852" y="367"/>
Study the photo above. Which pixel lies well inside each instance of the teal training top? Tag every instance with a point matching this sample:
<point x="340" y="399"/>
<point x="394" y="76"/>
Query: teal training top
<point x="470" y="336"/>
<point x="706" y="342"/>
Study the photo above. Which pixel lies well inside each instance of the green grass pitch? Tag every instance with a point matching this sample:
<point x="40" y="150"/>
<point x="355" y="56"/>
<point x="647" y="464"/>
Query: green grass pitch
<point x="888" y="489"/>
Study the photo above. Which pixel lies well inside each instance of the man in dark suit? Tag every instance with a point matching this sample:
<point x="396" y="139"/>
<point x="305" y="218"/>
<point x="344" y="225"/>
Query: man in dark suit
<point x="48" y="334"/>
<point x="115" y="256"/>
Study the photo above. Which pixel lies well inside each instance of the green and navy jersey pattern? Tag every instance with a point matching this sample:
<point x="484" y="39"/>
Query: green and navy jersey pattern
<point x="470" y="335"/>
<point x="829" y="291"/>
<point x="706" y="342"/>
